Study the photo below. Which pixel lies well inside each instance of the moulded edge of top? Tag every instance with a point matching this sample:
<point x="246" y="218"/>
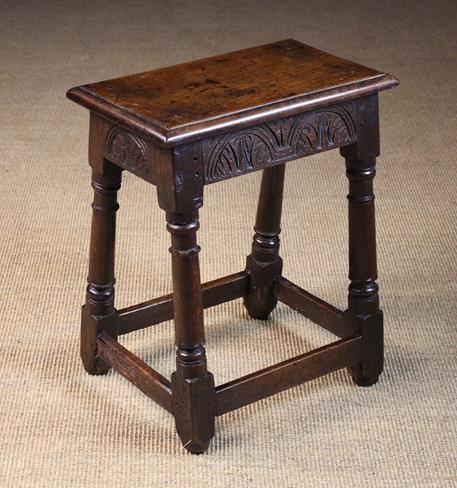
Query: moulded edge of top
<point x="202" y="129"/>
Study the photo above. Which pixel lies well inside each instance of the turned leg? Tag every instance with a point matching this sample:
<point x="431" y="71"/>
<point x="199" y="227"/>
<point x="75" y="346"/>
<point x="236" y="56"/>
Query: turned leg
<point x="363" y="300"/>
<point x="264" y="264"/>
<point x="98" y="313"/>
<point x="192" y="385"/>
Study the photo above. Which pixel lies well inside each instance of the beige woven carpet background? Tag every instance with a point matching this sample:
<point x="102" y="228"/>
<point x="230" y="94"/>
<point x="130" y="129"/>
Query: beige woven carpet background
<point x="60" y="427"/>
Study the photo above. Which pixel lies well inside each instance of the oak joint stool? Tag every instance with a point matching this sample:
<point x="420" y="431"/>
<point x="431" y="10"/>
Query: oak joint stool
<point x="186" y="126"/>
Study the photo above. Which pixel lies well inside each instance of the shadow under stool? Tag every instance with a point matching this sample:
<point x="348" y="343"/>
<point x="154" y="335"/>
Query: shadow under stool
<point x="186" y="126"/>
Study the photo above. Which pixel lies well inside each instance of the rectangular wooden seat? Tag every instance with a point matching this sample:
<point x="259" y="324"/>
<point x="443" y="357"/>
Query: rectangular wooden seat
<point x="213" y="95"/>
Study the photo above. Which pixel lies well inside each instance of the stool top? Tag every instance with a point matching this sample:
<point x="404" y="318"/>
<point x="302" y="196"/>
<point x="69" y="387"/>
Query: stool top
<point x="191" y="101"/>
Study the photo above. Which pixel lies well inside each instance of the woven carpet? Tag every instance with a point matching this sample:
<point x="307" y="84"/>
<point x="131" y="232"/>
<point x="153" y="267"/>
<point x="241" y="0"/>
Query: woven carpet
<point x="60" y="427"/>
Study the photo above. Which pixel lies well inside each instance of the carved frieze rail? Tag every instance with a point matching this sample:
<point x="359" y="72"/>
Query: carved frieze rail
<point x="276" y="141"/>
<point x="245" y="150"/>
<point x="129" y="151"/>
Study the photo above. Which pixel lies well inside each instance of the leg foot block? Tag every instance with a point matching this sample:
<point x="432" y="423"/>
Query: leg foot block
<point x="194" y="407"/>
<point x="261" y="300"/>
<point x="91" y="326"/>
<point x="367" y="372"/>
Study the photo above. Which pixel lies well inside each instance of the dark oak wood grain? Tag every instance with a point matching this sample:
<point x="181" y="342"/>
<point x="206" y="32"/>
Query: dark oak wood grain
<point x="363" y="299"/>
<point x="313" y="308"/>
<point x="192" y="384"/>
<point x="98" y="313"/>
<point x="289" y="373"/>
<point x="160" y="309"/>
<point x="149" y="381"/>
<point x="245" y="88"/>
<point x="264" y="265"/>
<point x="187" y="126"/>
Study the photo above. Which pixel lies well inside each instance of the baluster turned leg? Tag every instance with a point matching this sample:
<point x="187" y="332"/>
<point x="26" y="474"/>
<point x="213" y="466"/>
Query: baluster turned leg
<point x="98" y="313"/>
<point x="264" y="264"/>
<point x="363" y="300"/>
<point x="192" y="385"/>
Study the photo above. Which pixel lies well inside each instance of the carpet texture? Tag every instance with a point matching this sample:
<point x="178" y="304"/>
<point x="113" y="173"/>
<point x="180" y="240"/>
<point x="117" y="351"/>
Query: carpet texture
<point x="60" y="427"/>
